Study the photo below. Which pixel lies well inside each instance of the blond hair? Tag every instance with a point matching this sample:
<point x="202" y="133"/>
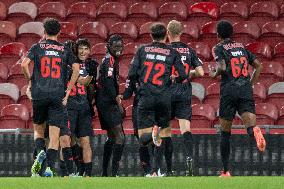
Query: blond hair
<point x="175" y="28"/>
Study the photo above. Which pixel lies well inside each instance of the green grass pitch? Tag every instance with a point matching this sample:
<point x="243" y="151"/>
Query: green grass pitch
<point x="144" y="183"/>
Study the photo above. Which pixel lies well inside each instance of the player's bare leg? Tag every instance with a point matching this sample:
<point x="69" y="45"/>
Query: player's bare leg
<point x="225" y="145"/>
<point x="87" y="155"/>
<point x="40" y="148"/>
<point x="166" y="136"/>
<point x="184" y="126"/>
<point x="249" y="120"/>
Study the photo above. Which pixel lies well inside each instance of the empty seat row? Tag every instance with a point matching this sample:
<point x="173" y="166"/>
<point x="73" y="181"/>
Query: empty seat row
<point x="141" y="12"/>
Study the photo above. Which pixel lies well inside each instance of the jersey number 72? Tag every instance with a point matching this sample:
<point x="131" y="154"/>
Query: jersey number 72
<point x="159" y="67"/>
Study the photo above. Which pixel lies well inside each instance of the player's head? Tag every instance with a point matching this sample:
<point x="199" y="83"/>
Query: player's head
<point x="51" y="27"/>
<point x="174" y="30"/>
<point x="71" y="44"/>
<point x="115" y="45"/>
<point x="158" y="32"/>
<point x="224" y="29"/>
<point x="83" y="48"/>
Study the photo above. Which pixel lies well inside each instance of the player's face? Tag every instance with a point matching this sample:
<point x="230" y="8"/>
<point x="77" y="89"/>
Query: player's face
<point x="116" y="48"/>
<point x="83" y="52"/>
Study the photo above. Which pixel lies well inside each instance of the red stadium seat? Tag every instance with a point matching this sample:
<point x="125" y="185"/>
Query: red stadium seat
<point x="99" y="51"/>
<point x="30" y="33"/>
<point x="262" y="50"/>
<point x="11" y="53"/>
<point x="22" y="12"/>
<point x="172" y="11"/>
<point x="17" y="77"/>
<point x="208" y="33"/>
<point x="127" y="30"/>
<point x="7" y="32"/>
<point x="96" y="32"/>
<point x="81" y="12"/>
<point x="279" y="53"/>
<point x="259" y="92"/>
<point x="280" y="120"/>
<point x="144" y="33"/>
<point x="202" y="49"/>
<point x="111" y="12"/>
<point x="190" y="32"/>
<point x="272" y="32"/>
<point x="198" y="93"/>
<point x="68" y="31"/>
<point x="206" y="80"/>
<point x="246" y="32"/>
<point x="3" y="73"/>
<point x="3" y="11"/>
<point x="9" y="94"/>
<point x="123" y="69"/>
<point x="266" y="114"/>
<point x="127" y="103"/>
<point x="262" y="12"/>
<point x="51" y="9"/>
<point x="203" y="116"/>
<point x="276" y="94"/>
<point x="234" y="11"/>
<point x="213" y="95"/>
<point x="23" y="99"/>
<point x="272" y="72"/>
<point x="203" y="12"/>
<point x="129" y="51"/>
<point x="142" y="12"/>
<point x="14" y="116"/>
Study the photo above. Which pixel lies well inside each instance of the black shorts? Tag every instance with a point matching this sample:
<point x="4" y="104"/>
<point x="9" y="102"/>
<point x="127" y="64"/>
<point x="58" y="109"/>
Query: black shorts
<point x="154" y="110"/>
<point x="52" y="112"/>
<point x="109" y="115"/>
<point x="80" y="122"/>
<point x="181" y="109"/>
<point x="235" y="98"/>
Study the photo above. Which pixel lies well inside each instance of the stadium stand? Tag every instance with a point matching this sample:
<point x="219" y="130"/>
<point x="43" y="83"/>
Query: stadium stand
<point x="96" y="32"/>
<point x="8" y="32"/>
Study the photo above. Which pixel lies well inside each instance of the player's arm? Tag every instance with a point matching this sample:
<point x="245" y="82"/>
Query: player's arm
<point x="85" y="80"/>
<point x="134" y="66"/>
<point x="221" y="67"/>
<point x="257" y="69"/>
<point x="221" y="64"/>
<point x="197" y="64"/>
<point x="25" y="68"/>
<point x="179" y="67"/>
<point x="130" y="86"/>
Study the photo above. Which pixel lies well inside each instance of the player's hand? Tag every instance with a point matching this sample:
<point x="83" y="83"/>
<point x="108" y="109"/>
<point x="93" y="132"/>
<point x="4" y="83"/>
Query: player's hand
<point x="118" y="99"/>
<point x="65" y="99"/>
<point x="29" y="92"/>
<point x="212" y="71"/>
<point x="173" y="78"/>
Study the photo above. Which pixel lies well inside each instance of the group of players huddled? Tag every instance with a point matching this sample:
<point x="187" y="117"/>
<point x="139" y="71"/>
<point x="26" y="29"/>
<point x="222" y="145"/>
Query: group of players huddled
<point x="66" y="83"/>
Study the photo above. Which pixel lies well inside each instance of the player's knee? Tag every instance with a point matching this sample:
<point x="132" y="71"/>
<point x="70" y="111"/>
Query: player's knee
<point x="65" y="141"/>
<point x="85" y="142"/>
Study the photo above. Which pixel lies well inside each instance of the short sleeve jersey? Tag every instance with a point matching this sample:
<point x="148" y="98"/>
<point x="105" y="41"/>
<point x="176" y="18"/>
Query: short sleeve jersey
<point x="237" y="60"/>
<point x="153" y="64"/>
<point x="108" y="81"/>
<point x="190" y="61"/>
<point x="78" y="99"/>
<point x="49" y="78"/>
